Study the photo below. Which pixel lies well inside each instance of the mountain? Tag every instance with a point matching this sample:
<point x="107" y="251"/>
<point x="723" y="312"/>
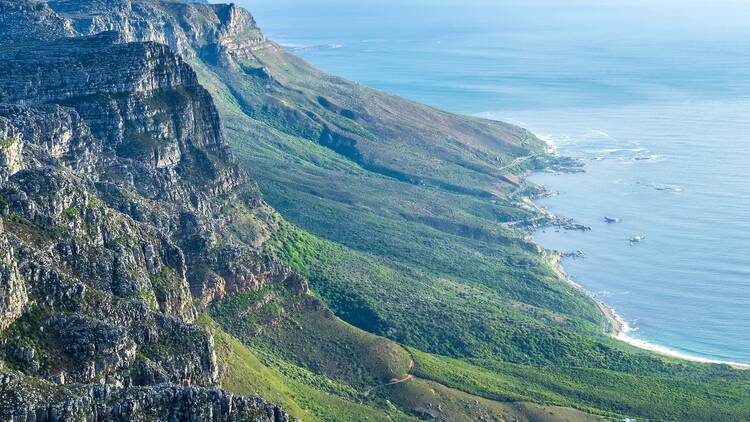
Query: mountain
<point x="114" y="174"/>
<point x="382" y="274"/>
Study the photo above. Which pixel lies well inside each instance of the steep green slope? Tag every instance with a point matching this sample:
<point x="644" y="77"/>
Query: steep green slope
<point x="265" y="364"/>
<point x="430" y="400"/>
<point x="436" y="243"/>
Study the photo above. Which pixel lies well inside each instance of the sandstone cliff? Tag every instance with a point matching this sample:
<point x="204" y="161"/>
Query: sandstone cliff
<point x="121" y="210"/>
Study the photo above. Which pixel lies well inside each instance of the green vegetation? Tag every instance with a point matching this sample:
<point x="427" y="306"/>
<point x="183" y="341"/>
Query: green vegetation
<point x="72" y="213"/>
<point x="246" y="374"/>
<point x="95" y="203"/>
<point x="683" y="392"/>
<point x="299" y="329"/>
<point x="430" y="400"/>
<point x="47" y="347"/>
<point x="443" y="316"/>
<point x="301" y="392"/>
<point x="32" y="232"/>
<point x="404" y="219"/>
<point x="4" y="205"/>
<point x="6" y="143"/>
<point x="259" y="365"/>
<point x="163" y="282"/>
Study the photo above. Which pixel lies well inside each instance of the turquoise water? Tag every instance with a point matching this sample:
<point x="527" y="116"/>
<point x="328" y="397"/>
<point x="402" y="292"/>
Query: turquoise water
<point x="655" y="98"/>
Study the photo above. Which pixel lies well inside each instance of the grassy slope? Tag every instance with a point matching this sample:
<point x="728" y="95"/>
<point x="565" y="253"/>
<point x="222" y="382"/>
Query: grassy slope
<point x="298" y="328"/>
<point x="402" y="239"/>
<point x="696" y="392"/>
<point x="303" y="394"/>
<point x="289" y="372"/>
<point x="424" y="240"/>
<point x="430" y="400"/>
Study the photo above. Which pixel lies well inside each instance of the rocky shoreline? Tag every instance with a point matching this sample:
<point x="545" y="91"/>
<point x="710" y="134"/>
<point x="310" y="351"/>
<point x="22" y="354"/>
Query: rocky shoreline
<point x="614" y="325"/>
<point x="616" y="328"/>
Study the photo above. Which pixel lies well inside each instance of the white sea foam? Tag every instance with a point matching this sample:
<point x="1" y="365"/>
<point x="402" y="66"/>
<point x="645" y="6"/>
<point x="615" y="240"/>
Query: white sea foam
<point x="292" y="46"/>
<point x="552" y="146"/>
<point x="625" y="334"/>
<point x="304" y="47"/>
<point x="594" y="134"/>
<point x="663" y="350"/>
<point x="666" y="187"/>
<point x="649" y="157"/>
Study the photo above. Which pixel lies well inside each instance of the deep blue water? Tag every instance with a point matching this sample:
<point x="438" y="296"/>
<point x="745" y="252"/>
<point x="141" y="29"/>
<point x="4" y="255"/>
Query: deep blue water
<point x="655" y="98"/>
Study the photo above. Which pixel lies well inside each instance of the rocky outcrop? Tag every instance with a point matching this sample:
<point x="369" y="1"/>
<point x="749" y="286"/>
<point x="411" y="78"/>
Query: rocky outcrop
<point x="146" y="105"/>
<point x="63" y="136"/>
<point x="13" y="294"/>
<point x="11" y="149"/>
<point x="216" y="32"/>
<point x="24" y="20"/>
<point x="102" y="402"/>
<point x="121" y="207"/>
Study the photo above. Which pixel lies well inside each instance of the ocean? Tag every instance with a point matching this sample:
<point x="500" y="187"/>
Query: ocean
<point x="653" y="98"/>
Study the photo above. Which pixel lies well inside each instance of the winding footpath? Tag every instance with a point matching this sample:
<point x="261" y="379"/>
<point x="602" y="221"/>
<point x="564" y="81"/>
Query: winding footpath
<point x="408" y="376"/>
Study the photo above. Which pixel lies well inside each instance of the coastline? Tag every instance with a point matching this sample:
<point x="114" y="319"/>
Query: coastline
<point x="615" y="326"/>
<point x="618" y="329"/>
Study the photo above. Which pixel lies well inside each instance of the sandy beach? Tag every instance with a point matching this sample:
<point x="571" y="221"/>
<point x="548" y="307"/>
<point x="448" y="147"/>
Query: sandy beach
<point x="617" y="328"/>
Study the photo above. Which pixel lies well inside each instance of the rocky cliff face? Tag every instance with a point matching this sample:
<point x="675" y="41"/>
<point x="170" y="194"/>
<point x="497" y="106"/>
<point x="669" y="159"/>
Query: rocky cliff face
<point x="25" y="20"/>
<point x="121" y="209"/>
<point x="212" y="31"/>
<point x="14" y="296"/>
<point x="159" y="403"/>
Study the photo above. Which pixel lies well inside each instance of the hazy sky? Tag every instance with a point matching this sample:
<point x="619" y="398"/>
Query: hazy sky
<point x="713" y="14"/>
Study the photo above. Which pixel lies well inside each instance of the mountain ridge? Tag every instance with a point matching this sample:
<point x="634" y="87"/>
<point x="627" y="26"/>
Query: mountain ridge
<point x="112" y="157"/>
